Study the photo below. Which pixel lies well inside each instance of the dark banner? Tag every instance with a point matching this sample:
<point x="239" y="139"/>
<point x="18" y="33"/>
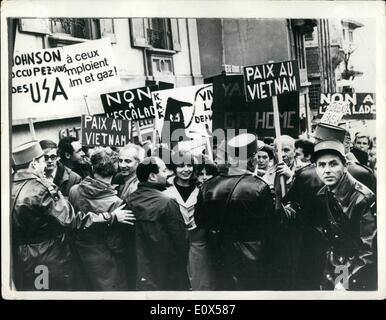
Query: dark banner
<point x="132" y="104"/>
<point x="271" y="79"/>
<point x="361" y="106"/>
<point x="103" y="131"/>
<point x="230" y="109"/>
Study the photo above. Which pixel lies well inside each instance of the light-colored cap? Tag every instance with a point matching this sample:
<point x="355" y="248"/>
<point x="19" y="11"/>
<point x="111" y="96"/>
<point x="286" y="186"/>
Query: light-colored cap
<point x="245" y="144"/>
<point x="26" y="152"/>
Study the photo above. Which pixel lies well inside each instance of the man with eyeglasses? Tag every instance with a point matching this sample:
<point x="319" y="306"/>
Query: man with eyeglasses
<point x="62" y="176"/>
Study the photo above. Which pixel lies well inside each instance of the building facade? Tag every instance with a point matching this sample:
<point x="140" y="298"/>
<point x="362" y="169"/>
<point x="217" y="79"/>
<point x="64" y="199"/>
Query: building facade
<point x="329" y="47"/>
<point x="147" y="50"/>
<point x="226" y="45"/>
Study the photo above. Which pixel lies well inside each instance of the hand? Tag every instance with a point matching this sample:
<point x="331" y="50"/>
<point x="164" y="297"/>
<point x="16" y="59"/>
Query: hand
<point x="124" y="216"/>
<point x="259" y="172"/>
<point x="289" y="212"/>
<point x="283" y="170"/>
<point x="351" y="159"/>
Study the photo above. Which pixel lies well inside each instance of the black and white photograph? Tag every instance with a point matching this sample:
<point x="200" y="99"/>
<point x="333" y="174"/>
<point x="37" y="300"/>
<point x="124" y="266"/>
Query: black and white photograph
<point x="193" y="150"/>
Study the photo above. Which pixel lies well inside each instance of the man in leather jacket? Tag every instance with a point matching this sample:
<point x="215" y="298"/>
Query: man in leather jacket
<point x="40" y="216"/>
<point x="348" y="224"/>
<point x="303" y="204"/>
<point x="236" y="208"/>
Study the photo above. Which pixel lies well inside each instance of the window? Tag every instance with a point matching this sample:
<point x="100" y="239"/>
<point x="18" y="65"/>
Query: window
<point x="155" y="33"/>
<point x="77" y="28"/>
<point x="344" y="34"/>
<point x="66" y="31"/>
<point x="314" y="95"/>
<point x="158" y="33"/>
<point x="308" y="36"/>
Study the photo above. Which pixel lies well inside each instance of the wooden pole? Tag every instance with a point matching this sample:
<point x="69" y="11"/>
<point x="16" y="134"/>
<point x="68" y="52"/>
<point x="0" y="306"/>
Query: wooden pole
<point x="32" y="129"/>
<point x="276" y="118"/>
<point x="209" y="148"/>
<point x="85" y="100"/>
<point x="130" y="126"/>
<point x="138" y="129"/>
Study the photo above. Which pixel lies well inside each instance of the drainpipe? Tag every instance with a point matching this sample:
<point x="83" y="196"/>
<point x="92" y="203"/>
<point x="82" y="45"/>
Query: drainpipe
<point x="145" y="64"/>
<point x="222" y="43"/>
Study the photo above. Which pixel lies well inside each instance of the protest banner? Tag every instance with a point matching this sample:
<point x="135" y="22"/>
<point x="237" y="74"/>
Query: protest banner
<point x="360" y="106"/>
<point x="39" y="84"/>
<point x="132" y="104"/>
<point x="187" y="108"/>
<point x="70" y="132"/>
<point x="334" y="112"/>
<point x="91" y="66"/>
<point x="272" y="80"/>
<point x="103" y="131"/>
<point x="231" y="110"/>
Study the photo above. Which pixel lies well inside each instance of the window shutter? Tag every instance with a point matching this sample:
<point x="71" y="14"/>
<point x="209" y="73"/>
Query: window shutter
<point x="35" y="25"/>
<point x="175" y="34"/>
<point x="107" y="29"/>
<point x="138" y="36"/>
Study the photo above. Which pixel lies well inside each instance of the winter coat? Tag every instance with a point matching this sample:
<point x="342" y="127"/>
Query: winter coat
<point x="101" y="248"/>
<point x="161" y="239"/>
<point x="307" y="246"/>
<point x="126" y="185"/>
<point x="236" y="211"/>
<point x="349" y="230"/>
<point x="65" y="178"/>
<point x="40" y="216"/>
<point x="186" y="207"/>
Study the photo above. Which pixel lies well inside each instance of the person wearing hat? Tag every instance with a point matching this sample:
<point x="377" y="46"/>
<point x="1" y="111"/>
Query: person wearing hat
<point x="348" y="222"/>
<point x="301" y="203"/>
<point x="39" y="217"/>
<point x="62" y="176"/>
<point x="235" y="210"/>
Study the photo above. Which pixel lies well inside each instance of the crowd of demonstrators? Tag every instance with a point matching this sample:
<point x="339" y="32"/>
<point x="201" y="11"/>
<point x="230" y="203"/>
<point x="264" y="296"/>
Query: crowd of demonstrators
<point x="148" y="218"/>
<point x="41" y="218"/>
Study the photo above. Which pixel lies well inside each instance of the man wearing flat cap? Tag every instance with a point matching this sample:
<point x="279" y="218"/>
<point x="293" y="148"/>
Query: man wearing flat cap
<point x="235" y="209"/>
<point x="39" y="216"/>
<point x="347" y="225"/>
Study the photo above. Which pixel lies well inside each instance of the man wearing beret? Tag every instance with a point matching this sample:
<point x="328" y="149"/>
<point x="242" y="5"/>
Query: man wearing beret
<point x="235" y="209"/>
<point x="347" y="225"/>
<point x="40" y="216"/>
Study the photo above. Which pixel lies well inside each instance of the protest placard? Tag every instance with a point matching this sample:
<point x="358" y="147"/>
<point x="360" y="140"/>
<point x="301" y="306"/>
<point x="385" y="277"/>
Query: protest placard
<point x="91" y="66"/>
<point x="231" y="110"/>
<point x="39" y="84"/>
<point x="271" y="79"/>
<point x="334" y="112"/>
<point x="103" y="131"/>
<point x="360" y="106"/>
<point x="187" y="108"/>
<point x="131" y="104"/>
